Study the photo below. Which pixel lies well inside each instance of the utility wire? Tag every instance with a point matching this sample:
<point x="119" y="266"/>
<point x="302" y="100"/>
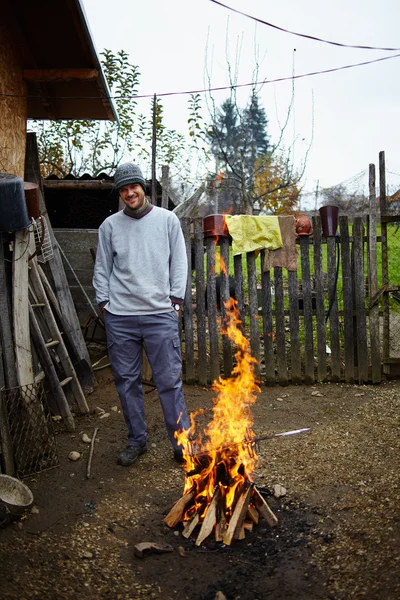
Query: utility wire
<point x="215" y="89"/>
<point x="303" y="35"/>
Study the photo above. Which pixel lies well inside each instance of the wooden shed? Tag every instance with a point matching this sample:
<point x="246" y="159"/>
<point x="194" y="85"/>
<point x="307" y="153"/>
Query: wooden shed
<point x="49" y="69"/>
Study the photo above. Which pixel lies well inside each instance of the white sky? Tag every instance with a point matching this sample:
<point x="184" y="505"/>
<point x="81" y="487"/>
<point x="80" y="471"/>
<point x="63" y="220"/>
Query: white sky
<point x="356" y="111"/>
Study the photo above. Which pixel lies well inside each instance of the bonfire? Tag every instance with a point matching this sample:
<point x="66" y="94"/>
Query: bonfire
<point x="219" y="494"/>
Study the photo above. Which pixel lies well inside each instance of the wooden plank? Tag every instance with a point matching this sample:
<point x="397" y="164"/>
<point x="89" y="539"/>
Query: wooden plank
<point x="210" y="518"/>
<point x="55" y="388"/>
<point x="385" y="261"/>
<point x="347" y="300"/>
<point x="268" y="334"/>
<point x="309" y="376"/>
<point x="176" y="513"/>
<point x="239" y="289"/>
<point x="191" y="526"/>
<point x="333" y="305"/>
<point x="49" y="75"/>
<point x="374" y="329"/>
<point x="280" y="327"/>
<point x="359" y="295"/>
<point x="225" y="296"/>
<point x="253" y="310"/>
<point x="188" y="308"/>
<point x="238" y="515"/>
<point x="294" y="327"/>
<point x="212" y="309"/>
<point x="81" y="360"/>
<point x="200" y="303"/>
<point x="319" y="301"/>
<point x="263" y="508"/>
<point x="22" y="340"/>
<point x="6" y="337"/>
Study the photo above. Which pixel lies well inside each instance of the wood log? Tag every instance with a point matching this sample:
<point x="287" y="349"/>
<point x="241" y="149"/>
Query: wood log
<point x="191" y="526"/>
<point x="253" y="514"/>
<point x="176" y="513"/>
<point x="238" y="516"/>
<point x="220" y="528"/>
<point x="248" y="525"/>
<point x="209" y="519"/>
<point x="263" y="508"/>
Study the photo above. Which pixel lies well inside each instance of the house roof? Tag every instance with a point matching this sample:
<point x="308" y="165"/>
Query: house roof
<point x="61" y="67"/>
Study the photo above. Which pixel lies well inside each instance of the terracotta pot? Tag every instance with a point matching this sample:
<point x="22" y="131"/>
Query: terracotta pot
<point x="303" y="225"/>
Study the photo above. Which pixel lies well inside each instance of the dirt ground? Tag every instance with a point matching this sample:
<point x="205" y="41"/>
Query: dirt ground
<point x="338" y="530"/>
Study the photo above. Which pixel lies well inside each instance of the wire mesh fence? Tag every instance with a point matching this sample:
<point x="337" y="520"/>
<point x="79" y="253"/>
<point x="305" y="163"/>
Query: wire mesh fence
<point x="31" y="429"/>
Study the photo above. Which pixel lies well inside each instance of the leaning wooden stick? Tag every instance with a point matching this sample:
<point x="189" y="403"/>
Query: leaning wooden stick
<point x="89" y="465"/>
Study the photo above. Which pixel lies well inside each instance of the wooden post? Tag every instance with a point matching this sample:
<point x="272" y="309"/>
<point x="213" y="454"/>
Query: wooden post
<point x="188" y="310"/>
<point x="200" y="301"/>
<point x="80" y="356"/>
<point x="347" y="300"/>
<point x="6" y="338"/>
<point x="294" y="326"/>
<point x="307" y="309"/>
<point x="268" y="334"/>
<point x="319" y="300"/>
<point x="373" y="280"/>
<point x="280" y="327"/>
<point x="253" y="308"/>
<point x="164" y="184"/>
<point x="359" y="294"/>
<point x="212" y="309"/>
<point x="385" y="263"/>
<point x="153" y="153"/>
<point x="224" y="297"/>
<point x="333" y="303"/>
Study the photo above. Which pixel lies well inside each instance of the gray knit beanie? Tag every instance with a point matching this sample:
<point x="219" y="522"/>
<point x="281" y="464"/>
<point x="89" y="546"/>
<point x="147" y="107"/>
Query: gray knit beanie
<point x="129" y="173"/>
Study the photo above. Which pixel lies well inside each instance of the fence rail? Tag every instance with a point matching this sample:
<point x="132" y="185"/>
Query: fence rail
<point x="313" y="324"/>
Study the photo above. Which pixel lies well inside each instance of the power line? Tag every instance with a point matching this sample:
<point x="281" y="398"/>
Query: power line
<point x="303" y="35"/>
<point x="215" y="89"/>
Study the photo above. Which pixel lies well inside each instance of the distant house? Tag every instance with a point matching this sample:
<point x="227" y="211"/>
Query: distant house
<point x="49" y="69"/>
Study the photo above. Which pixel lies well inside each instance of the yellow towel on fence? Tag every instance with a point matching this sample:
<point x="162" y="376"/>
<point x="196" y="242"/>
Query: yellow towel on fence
<point x="251" y="233"/>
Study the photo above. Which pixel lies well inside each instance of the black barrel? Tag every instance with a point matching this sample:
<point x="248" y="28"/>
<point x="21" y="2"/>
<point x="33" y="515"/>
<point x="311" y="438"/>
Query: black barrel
<point x="13" y="211"/>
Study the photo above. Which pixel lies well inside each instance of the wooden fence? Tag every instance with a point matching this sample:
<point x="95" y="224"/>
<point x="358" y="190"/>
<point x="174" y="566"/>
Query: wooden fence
<point x="319" y="323"/>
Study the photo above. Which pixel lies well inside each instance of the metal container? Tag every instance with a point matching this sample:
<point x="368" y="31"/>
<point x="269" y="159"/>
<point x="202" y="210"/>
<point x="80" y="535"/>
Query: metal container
<point x="13" y="211"/>
<point x="15" y="498"/>
<point x="215" y="226"/>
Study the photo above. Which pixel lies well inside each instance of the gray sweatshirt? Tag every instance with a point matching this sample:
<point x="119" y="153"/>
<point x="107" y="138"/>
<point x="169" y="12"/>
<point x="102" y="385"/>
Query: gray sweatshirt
<point x="141" y="264"/>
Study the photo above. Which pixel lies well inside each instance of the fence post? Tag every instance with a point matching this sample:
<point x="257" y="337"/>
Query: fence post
<point x="373" y="281"/>
<point x="359" y="295"/>
<point x="212" y="309"/>
<point x="347" y="301"/>
<point x="188" y="311"/>
<point x="253" y="309"/>
<point x="319" y="300"/>
<point x="200" y="303"/>
<point x="307" y="309"/>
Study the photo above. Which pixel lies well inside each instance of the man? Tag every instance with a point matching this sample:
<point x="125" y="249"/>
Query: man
<point x="140" y="281"/>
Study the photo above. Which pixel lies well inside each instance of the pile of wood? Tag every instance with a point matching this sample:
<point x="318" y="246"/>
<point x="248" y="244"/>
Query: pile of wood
<point x="226" y="524"/>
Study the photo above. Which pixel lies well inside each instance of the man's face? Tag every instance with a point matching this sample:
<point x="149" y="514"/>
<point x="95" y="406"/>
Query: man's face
<point x="132" y="195"/>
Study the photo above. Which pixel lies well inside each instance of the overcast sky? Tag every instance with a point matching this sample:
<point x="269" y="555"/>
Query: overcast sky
<point x="348" y="116"/>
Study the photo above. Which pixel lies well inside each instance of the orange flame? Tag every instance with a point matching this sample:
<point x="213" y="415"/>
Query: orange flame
<point x="222" y="456"/>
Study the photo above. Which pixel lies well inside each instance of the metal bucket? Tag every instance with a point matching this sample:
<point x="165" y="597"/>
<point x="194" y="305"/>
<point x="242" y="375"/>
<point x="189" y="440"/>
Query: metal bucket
<point x="15" y="499"/>
<point x="13" y="211"/>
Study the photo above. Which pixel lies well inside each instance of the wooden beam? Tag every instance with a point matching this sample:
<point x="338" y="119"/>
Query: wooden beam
<point x="77" y="184"/>
<point x="51" y="75"/>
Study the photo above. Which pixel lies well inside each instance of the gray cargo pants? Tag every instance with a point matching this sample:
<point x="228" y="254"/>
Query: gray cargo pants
<point x="159" y="334"/>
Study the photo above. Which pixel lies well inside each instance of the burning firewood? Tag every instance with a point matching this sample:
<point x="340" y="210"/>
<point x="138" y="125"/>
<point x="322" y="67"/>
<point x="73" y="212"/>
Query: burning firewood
<point x="219" y="493"/>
